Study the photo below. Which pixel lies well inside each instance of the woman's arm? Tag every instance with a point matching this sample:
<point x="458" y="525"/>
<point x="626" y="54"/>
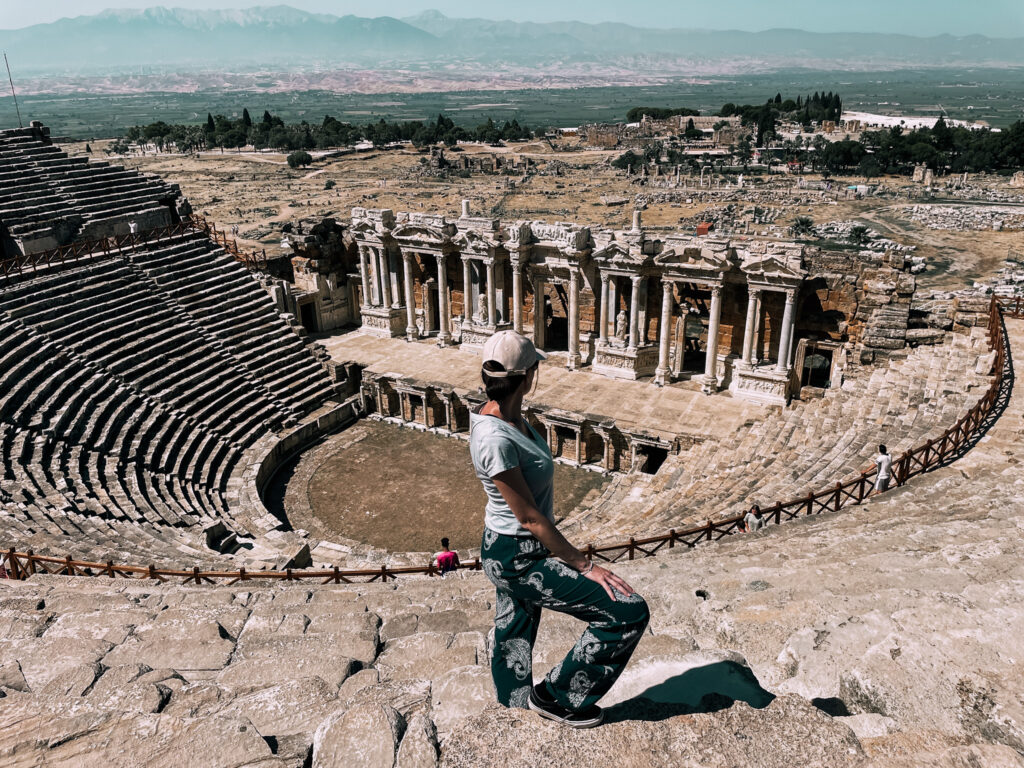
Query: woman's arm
<point x="516" y="493"/>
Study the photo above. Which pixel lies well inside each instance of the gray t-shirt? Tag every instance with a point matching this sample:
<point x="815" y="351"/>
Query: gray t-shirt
<point x="753" y="522"/>
<point x="495" y="447"/>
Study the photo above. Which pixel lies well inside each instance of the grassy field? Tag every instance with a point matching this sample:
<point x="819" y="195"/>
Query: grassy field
<point x="993" y="95"/>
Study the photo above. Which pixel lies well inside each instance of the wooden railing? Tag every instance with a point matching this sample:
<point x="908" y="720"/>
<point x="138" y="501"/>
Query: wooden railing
<point x="85" y="250"/>
<point x="935" y="453"/>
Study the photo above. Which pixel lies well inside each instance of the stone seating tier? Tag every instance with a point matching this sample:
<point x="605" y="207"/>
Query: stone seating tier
<point x="41" y="185"/>
<point x="792" y="451"/>
<point x="121" y="410"/>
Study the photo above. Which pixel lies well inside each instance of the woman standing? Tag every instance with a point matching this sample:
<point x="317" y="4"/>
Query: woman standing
<point x="531" y="564"/>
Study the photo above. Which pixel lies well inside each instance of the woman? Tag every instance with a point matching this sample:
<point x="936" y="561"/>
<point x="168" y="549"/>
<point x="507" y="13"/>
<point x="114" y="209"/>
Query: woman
<point x="531" y="564"/>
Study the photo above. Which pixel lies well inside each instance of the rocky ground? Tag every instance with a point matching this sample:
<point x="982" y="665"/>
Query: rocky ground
<point x="886" y="636"/>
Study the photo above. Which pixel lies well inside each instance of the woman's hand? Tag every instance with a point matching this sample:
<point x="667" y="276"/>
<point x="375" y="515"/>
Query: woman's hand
<point x="609" y="581"/>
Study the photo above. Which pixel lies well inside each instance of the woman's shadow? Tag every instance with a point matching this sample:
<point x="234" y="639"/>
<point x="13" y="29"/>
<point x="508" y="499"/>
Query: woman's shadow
<point x="707" y="688"/>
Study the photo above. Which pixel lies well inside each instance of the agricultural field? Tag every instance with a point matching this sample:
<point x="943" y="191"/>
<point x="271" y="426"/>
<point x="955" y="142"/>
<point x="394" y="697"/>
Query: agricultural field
<point x="996" y="96"/>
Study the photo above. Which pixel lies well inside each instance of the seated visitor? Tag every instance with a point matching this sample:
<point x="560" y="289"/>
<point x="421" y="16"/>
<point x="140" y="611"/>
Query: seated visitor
<point x="754" y="521"/>
<point x="446" y="560"/>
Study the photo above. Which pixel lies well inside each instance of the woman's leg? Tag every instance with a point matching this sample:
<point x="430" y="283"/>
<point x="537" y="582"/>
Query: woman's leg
<point x="515" y="621"/>
<point x="515" y="631"/>
<point x="601" y="653"/>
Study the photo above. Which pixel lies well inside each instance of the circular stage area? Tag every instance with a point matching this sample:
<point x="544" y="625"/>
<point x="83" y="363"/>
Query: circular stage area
<point x="398" y="489"/>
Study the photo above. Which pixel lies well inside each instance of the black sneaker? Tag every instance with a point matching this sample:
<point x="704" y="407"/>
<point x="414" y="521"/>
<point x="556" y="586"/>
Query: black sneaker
<point x="544" y="705"/>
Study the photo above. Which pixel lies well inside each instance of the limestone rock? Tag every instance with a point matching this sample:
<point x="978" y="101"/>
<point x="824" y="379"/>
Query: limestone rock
<point x="87" y="738"/>
<point x="297" y="706"/>
<point x="12" y="678"/>
<point x="788" y="732"/>
<point x="73" y="682"/>
<point x="366" y="735"/>
<point x="419" y="745"/>
<point x="425" y="655"/>
<point x="460" y="693"/>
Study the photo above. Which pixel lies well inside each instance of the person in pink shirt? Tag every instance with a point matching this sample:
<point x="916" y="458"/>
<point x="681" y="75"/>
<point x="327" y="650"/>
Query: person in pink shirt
<point x="446" y="559"/>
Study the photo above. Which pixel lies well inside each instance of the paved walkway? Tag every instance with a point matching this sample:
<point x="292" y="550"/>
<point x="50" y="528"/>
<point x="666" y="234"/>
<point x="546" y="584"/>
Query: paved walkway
<point x="679" y="409"/>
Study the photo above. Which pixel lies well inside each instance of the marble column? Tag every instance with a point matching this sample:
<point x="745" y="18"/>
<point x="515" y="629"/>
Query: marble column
<point x="786" y="337"/>
<point x="753" y="299"/>
<point x="661" y="375"/>
<point x="755" y="357"/>
<point x="364" y="273"/>
<point x="602" y="333"/>
<point x="411" y="331"/>
<point x="385" y="278"/>
<point x="634" y="312"/>
<point x="492" y="296"/>
<point x="444" y="302"/>
<point x="517" y="297"/>
<point x="538" y="312"/>
<point x="613" y="302"/>
<point x="467" y="291"/>
<point x="711" y="365"/>
<point x="574" y="319"/>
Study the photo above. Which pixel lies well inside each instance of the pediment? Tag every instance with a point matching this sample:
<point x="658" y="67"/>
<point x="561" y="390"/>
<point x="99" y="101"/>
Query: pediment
<point x="695" y="259"/>
<point x="419" y="233"/>
<point x="772" y="265"/>
<point x="618" y="254"/>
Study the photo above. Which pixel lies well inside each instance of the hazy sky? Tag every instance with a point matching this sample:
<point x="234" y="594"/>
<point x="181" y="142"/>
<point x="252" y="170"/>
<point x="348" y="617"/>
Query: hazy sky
<point x="997" y="18"/>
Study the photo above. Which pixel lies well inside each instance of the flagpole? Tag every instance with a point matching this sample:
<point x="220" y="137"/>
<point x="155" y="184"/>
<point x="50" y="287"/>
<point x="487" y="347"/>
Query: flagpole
<point x="13" y="94"/>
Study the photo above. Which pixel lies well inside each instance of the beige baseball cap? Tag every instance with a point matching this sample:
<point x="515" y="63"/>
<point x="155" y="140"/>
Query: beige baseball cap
<point x="513" y="351"/>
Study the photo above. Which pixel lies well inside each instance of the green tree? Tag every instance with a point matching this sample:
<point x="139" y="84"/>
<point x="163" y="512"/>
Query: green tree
<point x="246" y="120"/>
<point x="803" y="226"/>
<point x="299" y="159"/>
<point x="859" y="235"/>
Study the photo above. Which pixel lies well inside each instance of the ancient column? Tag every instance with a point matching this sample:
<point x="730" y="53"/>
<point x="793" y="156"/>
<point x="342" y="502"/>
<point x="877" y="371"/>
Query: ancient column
<point x="664" y="333"/>
<point x="634" y="312"/>
<point x="603" y="321"/>
<point x="753" y="298"/>
<point x="786" y="333"/>
<point x="755" y="357"/>
<point x="711" y="365"/>
<point x="492" y="295"/>
<point x="574" y="319"/>
<point x="444" y="302"/>
<point x="538" y="311"/>
<point x="385" y="278"/>
<point x="517" y="297"/>
<point x="467" y="291"/>
<point x="364" y="272"/>
<point x="411" y="331"/>
<point x="579" y="447"/>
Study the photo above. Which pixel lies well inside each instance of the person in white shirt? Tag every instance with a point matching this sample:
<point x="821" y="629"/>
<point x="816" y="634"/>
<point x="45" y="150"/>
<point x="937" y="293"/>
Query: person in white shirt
<point x="754" y="521"/>
<point x="883" y="462"/>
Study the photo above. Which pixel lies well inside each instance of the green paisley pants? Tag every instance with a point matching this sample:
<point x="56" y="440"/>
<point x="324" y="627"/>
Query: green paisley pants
<point x="527" y="579"/>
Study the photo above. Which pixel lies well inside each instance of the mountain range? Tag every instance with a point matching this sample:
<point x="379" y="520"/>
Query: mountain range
<point x="281" y="36"/>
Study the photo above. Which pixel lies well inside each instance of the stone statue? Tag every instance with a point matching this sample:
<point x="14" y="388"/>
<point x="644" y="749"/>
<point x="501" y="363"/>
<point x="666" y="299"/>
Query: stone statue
<point x="481" y="308"/>
<point x="621" y="323"/>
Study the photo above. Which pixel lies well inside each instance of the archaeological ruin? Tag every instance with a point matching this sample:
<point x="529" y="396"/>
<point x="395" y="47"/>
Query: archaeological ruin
<point x="168" y="402"/>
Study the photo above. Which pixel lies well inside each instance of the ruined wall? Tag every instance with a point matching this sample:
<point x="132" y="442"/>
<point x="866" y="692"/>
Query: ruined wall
<point x="857" y="297"/>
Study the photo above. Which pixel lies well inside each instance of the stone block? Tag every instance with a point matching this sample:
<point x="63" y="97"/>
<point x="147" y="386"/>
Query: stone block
<point x="419" y="744"/>
<point x="366" y="735"/>
<point x="425" y="656"/>
<point x="459" y="694"/>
